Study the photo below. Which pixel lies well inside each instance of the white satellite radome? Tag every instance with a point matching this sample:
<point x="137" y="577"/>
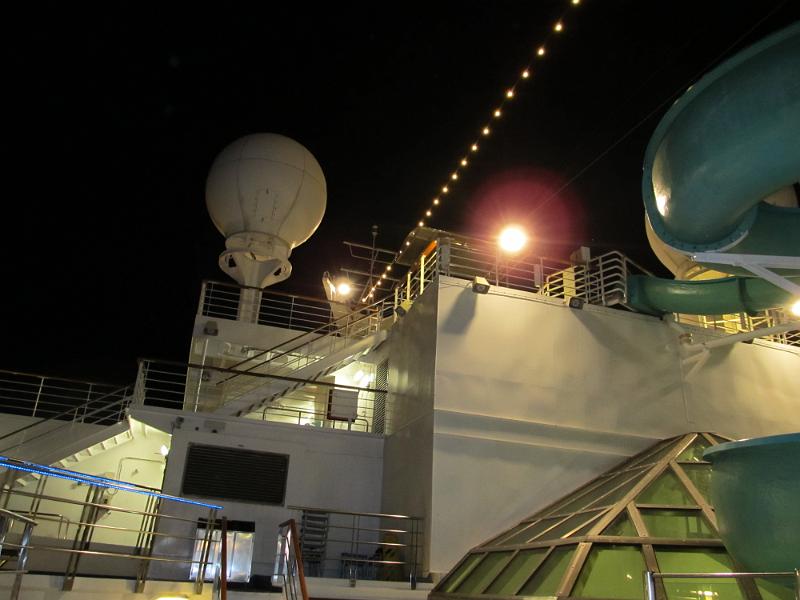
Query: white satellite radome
<point x="266" y="194"/>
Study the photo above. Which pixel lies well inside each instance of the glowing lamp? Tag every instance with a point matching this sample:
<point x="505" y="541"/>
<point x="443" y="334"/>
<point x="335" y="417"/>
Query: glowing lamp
<point x="796" y="308"/>
<point x="344" y="288"/>
<point x="512" y="239"/>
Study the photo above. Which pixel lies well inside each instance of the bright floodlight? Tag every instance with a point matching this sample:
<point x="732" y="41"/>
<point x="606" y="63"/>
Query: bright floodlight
<point x="796" y="308"/>
<point x="513" y="239"/>
<point x="344" y="288"/>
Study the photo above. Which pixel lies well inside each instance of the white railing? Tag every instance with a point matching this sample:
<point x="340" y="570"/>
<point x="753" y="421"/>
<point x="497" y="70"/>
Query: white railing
<point x="359" y="545"/>
<point x="602" y="281"/>
<point x="742" y="322"/>
<point x="202" y="388"/>
<point x="266" y="307"/>
<point x="55" y="404"/>
<point x="32" y="395"/>
<point x="116" y="520"/>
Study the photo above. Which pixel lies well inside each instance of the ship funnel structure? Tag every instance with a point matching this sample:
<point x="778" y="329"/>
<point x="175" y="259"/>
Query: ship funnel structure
<point x="266" y="194"/>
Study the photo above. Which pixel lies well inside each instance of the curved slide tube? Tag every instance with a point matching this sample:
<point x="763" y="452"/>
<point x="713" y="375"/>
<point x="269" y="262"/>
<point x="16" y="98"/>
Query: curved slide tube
<point x="730" y="141"/>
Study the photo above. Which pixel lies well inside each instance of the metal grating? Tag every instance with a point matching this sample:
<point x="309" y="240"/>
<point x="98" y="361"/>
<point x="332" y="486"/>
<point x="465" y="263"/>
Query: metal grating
<point x="235" y="474"/>
<point x="381" y="383"/>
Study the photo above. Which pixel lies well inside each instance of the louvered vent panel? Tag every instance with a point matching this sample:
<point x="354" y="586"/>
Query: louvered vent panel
<point x="235" y="474"/>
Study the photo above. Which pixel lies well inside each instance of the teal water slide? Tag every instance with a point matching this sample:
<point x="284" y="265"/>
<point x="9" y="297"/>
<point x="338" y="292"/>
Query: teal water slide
<point x="729" y="142"/>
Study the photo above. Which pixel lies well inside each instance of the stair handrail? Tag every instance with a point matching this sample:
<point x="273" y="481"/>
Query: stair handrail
<point x="22" y="548"/>
<point x="297" y="563"/>
<point x="235" y="373"/>
<point x="125" y="398"/>
<point x="375" y="304"/>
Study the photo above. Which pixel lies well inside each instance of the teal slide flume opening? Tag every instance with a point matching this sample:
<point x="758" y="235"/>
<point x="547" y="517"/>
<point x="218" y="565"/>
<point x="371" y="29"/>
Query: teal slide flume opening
<point x="729" y="142"/>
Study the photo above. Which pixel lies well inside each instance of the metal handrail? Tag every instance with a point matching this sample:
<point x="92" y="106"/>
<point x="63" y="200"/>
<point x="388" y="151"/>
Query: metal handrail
<point x="290" y="551"/>
<point x="16" y="516"/>
<point x="374" y="540"/>
<point x="8" y="518"/>
<point x="71" y="410"/>
<point x="39" y="375"/>
<point x="363" y="421"/>
<point x="94" y="506"/>
<point x="319" y="329"/>
<point x="271" y="292"/>
<point x="333" y="511"/>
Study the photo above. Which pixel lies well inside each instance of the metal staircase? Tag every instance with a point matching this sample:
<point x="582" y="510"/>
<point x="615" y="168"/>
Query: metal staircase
<point x="313" y="541"/>
<point x="269" y="390"/>
<point x="47" y="433"/>
<point x="309" y="356"/>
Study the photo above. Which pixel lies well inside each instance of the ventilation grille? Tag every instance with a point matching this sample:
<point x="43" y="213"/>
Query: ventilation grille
<point x="235" y="474"/>
<point x="381" y="383"/>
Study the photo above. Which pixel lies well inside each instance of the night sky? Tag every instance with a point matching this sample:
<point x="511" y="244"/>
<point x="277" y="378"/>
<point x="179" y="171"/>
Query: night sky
<point x="114" y="114"/>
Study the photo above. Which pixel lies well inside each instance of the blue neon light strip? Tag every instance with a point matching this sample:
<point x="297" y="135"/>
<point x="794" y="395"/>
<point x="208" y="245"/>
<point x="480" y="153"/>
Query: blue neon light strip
<point x="95" y="480"/>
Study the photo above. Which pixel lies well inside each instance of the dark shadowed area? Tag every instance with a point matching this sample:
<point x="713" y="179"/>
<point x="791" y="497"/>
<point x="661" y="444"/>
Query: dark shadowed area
<point x="115" y="113"/>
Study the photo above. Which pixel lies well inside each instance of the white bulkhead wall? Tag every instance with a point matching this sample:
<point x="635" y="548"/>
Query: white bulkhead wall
<point x="530" y="398"/>
<point x="328" y="468"/>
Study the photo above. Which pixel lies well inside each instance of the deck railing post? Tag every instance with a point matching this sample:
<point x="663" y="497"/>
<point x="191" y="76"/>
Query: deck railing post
<point x="649" y="585"/>
<point x="22" y="560"/>
<point x="38" y="396"/>
<point x="205" y="551"/>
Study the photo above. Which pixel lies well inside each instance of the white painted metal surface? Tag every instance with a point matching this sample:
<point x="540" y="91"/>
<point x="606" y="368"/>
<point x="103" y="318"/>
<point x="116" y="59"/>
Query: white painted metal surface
<point x="266" y="194"/>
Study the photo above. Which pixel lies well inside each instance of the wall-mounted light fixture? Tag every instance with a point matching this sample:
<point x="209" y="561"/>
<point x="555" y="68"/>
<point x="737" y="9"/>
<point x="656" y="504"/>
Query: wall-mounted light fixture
<point x="576" y="303"/>
<point x="480" y="285"/>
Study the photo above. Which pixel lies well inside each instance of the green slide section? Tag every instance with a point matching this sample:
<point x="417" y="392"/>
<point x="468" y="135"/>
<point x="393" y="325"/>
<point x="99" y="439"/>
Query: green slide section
<point x="755" y="485"/>
<point x="731" y="140"/>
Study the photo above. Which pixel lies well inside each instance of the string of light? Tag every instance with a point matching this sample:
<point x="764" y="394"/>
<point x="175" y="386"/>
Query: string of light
<point x="525" y="74"/>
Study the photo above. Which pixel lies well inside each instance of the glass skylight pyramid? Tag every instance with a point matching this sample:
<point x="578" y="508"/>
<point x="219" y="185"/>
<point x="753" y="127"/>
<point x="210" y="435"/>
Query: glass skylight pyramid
<point x="649" y="513"/>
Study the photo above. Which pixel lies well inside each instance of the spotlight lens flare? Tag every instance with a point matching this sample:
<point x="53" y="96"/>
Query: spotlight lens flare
<point x="512" y="239"/>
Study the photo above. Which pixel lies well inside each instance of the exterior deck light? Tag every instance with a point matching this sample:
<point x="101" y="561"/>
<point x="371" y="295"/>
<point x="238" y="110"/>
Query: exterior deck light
<point x="480" y="285"/>
<point x="576" y="303"/>
<point x="344" y="289"/>
<point x="512" y="239"/>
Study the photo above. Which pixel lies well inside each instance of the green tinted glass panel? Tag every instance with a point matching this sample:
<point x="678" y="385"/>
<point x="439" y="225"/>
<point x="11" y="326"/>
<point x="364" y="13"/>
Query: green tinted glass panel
<point x="616" y="495"/>
<point x="509" y="533"/>
<point x="571" y="523"/>
<point x="611" y="572"/>
<point x="621" y="526"/>
<point x="776" y="588"/>
<point x="576" y="496"/>
<point x="658" y="452"/>
<point x="585" y="529"/>
<point x="694" y="452"/>
<point x="702" y="560"/>
<point x="517" y="572"/>
<point x="667" y="489"/>
<point x="530" y="532"/>
<point x="483" y="574"/>
<point x="547" y="578"/>
<point x="700" y="474"/>
<point x="591" y="498"/>
<point x="460" y="573"/>
<point x="683" y="524"/>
